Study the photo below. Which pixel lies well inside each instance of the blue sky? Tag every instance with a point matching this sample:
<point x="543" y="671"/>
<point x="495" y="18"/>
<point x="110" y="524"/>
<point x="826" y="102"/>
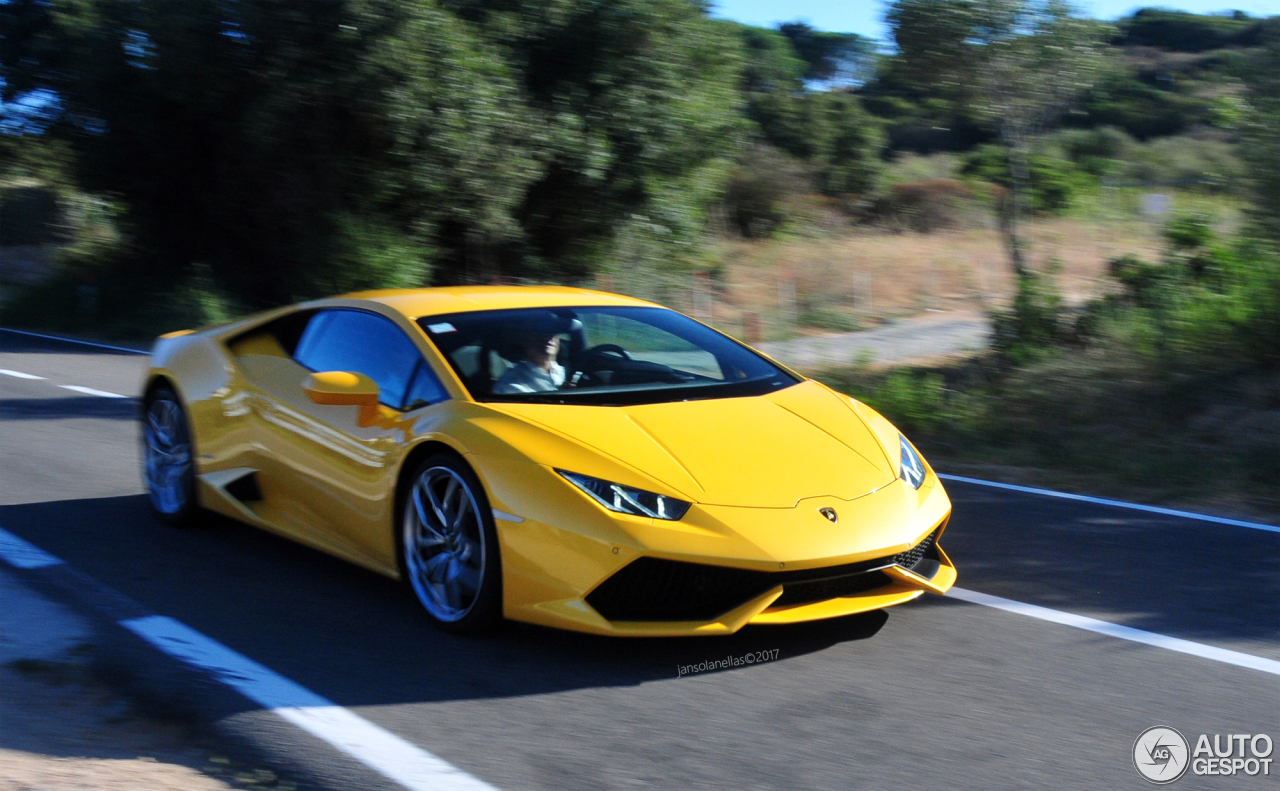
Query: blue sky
<point x="865" y="16"/>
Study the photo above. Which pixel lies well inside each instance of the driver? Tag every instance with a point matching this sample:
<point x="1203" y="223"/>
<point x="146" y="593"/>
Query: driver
<point x="538" y="372"/>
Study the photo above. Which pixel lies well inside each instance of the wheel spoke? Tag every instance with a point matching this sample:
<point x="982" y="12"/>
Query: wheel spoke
<point x="436" y="568"/>
<point x="436" y="505"/>
<point x="427" y="534"/>
<point x="464" y="508"/>
<point x="467" y="578"/>
<point x="450" y="490"/>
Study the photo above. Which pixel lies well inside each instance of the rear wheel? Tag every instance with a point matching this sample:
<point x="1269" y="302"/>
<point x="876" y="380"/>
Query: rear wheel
<point x="449" y="547"/>
<point x="166" y="448"/>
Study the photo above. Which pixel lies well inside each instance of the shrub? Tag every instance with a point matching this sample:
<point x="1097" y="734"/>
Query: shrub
<point x="28" y="215"/>
<point x="757" y="194"/>
<point x="922" y="206"/>
<point x="1144" y="111"/>
<point x="1054" y="180"/>
<point x="1095" y="151"/>
<point x="1033" y="324"/>
<point x="1138" y="277"/>
<point x="1184" y="159"/>
<point x="104" y="304"/>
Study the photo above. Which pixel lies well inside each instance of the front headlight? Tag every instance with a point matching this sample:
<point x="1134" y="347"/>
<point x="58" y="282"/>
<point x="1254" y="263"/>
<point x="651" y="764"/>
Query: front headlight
<point x="912" y="464"/>
<point x="627" y="500"/>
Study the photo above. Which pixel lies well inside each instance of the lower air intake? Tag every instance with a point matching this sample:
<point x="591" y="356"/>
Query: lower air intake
<point x="925" y="549"/>
<point x="651" y="589"/>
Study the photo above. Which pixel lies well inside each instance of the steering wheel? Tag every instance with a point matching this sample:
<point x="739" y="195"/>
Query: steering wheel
<point x="600" y="350"/>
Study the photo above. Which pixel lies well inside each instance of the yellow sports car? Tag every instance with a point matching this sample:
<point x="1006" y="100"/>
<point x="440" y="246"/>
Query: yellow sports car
<point x="551" y="455"/>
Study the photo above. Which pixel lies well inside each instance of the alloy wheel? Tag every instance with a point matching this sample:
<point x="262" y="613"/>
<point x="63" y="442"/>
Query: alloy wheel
<point x="167" y="456"/>
<point x="444" y="543"/>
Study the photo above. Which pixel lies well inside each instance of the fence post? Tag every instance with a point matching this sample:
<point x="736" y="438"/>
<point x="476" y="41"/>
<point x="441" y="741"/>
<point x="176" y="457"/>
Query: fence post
<point x="702" y="297"/>
<point x="751" y="326"/>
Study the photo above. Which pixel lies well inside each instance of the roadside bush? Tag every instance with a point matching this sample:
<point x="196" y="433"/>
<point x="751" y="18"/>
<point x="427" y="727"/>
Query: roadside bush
<point x="1144" y="111"/>
<point x="1033" y="324"/>
<point x="922" y="206"/>
<point x="1097" y="152"/>
<point x="1184" y="159"/>
<point x="1210" y="306"/>
<point x="28" y="215"/>
<point x="1137" y="276"/>
<point x="1054" y="181"/>
<point x="105" y="303"/>
<point x="758" y="191"/>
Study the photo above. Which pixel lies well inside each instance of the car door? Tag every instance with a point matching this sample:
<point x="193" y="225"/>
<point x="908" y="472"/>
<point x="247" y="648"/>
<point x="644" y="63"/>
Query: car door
<point x="336" y="474"/>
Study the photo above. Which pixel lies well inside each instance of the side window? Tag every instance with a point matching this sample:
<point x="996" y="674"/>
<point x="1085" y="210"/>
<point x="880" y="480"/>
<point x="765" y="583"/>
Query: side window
<point x="351" y="340"/>
<point x="424" y="388"/>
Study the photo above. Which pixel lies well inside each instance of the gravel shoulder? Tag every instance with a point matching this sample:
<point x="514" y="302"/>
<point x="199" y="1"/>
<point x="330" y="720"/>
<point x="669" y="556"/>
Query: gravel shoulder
<point x="928" y="335"/>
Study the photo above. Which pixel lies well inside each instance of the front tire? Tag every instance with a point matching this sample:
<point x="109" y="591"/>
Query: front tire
<point x="167" y="459"/>
<point x="449" y="546"/>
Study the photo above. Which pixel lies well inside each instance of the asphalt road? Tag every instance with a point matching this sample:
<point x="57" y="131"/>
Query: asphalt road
<point x="934" y="694"/>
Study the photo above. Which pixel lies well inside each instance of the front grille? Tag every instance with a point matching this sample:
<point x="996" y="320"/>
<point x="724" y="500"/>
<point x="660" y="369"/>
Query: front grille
<point x="652" y="589"/>
<point x="821" y="590"/>
<point x="912" y="557"/>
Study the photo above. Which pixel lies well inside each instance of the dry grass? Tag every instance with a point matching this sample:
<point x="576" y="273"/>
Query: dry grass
<point x="866" y="275"/>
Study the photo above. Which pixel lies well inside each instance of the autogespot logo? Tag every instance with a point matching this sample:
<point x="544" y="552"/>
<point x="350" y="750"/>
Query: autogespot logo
<point x="1160" y="754"/>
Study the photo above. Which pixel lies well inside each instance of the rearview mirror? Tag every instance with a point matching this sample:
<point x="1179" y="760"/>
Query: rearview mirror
<point x="341" y="388"/>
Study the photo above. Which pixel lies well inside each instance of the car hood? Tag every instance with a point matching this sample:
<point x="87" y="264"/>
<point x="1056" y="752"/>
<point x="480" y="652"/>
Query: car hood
<point x="767" y="452"/>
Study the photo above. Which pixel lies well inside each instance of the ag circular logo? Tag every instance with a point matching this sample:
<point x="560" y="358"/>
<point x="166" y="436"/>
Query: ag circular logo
<point x="1160" y="754"/>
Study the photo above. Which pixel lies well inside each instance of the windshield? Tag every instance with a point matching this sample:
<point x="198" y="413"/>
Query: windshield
<point x="597" y="355"/>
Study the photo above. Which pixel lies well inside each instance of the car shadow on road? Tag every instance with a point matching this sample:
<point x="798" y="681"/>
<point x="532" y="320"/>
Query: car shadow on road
<point x="353" y="635"/>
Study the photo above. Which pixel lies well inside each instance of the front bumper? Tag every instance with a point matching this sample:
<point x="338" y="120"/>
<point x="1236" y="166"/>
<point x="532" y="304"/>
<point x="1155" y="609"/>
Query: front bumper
<point x="753" y="565"/>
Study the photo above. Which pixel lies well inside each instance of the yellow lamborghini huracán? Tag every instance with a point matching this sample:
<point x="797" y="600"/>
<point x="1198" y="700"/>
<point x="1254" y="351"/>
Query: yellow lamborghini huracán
<point x="551" y="455"/>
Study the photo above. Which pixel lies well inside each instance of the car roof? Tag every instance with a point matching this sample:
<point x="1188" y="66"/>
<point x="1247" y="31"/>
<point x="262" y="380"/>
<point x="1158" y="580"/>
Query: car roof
<point x="417" y="302"/>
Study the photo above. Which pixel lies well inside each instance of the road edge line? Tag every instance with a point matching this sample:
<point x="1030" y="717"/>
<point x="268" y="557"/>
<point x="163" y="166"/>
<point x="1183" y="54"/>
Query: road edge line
<point x="74" y="340"/>
<point x="1084" y="498"/>
<point x="1176" y="644"/>
<point x="390" y="756"/>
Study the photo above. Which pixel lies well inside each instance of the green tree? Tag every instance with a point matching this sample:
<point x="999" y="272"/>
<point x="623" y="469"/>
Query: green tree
<point x="838" y="58"/>
<point x="271" y="141"/>
<point x="830" y="130"/>
<point x="1019" y="63"/>
<point x="638" y="104"/>
<point x="293" y="147"/>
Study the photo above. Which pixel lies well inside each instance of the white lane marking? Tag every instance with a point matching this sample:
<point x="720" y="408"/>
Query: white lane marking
<point x="19" y="374"/>
<point x="388" y="754"/>
<point x="91" y="391"/>
<point x="1201" y="650"/>
<point x="1153" y="509"/>
<point x="23" y="555"/>
<point x="73" y="340"/>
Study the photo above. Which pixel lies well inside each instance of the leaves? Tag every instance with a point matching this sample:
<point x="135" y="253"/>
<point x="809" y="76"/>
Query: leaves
<point x="299" y="146"/>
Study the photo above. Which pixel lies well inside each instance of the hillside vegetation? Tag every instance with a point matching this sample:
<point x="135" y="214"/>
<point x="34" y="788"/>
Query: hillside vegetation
<point x="185" y="161"/>
<point x="1109" y="193"/>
